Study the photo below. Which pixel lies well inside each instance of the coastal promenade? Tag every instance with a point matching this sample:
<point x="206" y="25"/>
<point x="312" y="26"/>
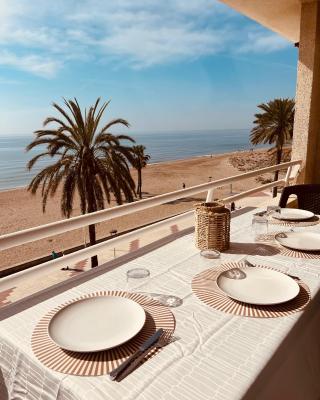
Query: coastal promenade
<point x="20" y="210"/>
<point x="18" y="286"/>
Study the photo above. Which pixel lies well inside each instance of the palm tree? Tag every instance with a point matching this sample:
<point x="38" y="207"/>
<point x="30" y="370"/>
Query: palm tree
<point x="274" y="126"/>
<point x="85" y="159"/>
<point x="140" y="161"/>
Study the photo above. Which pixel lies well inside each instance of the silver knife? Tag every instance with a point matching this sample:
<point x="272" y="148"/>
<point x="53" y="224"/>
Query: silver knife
<point x="148" y="343"/>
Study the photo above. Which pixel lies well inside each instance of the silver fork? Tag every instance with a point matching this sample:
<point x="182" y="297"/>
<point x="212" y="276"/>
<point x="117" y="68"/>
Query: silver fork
<point x="164" y="340"/>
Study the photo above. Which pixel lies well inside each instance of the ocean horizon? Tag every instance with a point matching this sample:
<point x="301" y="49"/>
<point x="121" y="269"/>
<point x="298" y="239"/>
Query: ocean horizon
<point x="161" y="146"/>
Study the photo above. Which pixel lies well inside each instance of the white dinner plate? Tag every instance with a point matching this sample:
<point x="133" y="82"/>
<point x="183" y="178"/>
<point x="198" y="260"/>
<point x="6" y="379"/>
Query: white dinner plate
<point x="261" y="286"/>
<point x="96" y="323"/>
<point x="305" y="241"/>
<point x="293" y="214"/>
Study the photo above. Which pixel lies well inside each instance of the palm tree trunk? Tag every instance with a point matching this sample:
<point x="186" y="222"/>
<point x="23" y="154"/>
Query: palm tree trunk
<point x="276" y="174"/>
<point x="92" y="238"/>
<point x="92" y="227"/>
<point x="140" y="183"/>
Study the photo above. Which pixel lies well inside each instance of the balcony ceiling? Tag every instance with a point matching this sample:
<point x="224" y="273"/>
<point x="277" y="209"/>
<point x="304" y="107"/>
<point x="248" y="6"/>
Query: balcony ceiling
<point x="281" y="16"/>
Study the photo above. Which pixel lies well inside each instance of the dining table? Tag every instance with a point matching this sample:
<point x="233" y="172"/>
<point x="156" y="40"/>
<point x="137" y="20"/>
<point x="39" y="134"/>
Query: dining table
<point x="215" y="354"/>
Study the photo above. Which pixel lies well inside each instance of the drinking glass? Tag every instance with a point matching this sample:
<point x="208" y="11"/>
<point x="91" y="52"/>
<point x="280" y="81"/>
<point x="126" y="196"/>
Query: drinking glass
<point x="260" y="227"/>
<point x="137" y="281"/>
<point x="212" y="254"/>
<point x="137" y="277"/>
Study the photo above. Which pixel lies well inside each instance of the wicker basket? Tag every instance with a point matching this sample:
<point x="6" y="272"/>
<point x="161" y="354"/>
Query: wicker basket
<point x="212" y="226"/>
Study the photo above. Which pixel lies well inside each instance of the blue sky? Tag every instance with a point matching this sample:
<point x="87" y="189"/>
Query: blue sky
<point x="165" y="65"/>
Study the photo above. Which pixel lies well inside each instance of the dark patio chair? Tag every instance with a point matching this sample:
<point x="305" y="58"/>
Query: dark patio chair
<point x="308" y="197"/>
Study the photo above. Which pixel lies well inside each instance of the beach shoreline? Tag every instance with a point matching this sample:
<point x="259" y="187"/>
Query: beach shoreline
<point x="167" y="162"/>
<point x="171" y="146"/>
<point x="20" y="210"/>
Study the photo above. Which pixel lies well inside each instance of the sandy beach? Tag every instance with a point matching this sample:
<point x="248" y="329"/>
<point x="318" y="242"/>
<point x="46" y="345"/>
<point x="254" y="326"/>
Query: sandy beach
<point x="20" y="210"/>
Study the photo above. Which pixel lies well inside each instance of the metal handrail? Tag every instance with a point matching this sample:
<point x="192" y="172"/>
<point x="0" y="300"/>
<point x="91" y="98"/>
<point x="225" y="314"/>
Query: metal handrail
<point x="28" y="235"/>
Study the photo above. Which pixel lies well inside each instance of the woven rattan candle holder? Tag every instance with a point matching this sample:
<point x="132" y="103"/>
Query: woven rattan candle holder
<point x="212" y="226"/>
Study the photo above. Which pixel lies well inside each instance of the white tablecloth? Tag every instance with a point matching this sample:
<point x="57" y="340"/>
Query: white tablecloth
<point x="218" y="355"/>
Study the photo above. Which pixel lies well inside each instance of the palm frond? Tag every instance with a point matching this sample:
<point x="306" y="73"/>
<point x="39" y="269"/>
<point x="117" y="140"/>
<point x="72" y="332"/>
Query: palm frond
<point x="275" y="124"/>
<point x="115" y="122"/>
<point x="91" y="162"/>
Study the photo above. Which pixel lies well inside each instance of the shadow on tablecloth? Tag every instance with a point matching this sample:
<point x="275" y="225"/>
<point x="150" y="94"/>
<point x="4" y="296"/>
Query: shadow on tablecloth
<point x="252" y="249"/>
<point x="293" y="371"/>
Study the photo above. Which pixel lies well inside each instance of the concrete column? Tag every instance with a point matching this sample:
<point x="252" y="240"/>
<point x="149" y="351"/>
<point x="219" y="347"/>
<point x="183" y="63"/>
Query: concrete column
<point x="306" y="136"/>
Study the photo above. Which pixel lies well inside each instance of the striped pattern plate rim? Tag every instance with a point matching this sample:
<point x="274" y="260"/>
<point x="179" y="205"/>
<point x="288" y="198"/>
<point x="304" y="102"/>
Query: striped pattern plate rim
<point x="312" y="221"/>
<point x="100" y="363"/>
<point x="206" y="289"/>
<point x="308" y="255"/>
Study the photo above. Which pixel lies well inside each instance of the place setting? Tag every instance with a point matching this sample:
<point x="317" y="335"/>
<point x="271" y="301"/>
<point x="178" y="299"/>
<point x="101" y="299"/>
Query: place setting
<point x="106" y="332"/>
<point x="290" y="243"/>
<point x="245" y="288"/>
<point x="251" y="290"/>
<point x="302" y="244"/>
<point x="293" y="217"/>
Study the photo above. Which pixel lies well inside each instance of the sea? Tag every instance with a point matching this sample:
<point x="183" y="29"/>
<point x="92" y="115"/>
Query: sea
<point x="161" y="146"/>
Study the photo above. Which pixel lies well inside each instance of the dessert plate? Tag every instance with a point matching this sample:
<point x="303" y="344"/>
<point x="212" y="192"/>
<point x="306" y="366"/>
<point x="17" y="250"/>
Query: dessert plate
<point x="293" y="214"/>
<point x="305" y="241"/>
<point x="260" y="286"/>
<point x="96" y="323"/>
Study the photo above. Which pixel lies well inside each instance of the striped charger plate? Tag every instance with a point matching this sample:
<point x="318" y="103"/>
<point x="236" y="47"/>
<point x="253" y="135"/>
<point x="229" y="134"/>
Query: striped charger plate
<point x="103" y="362"/>
<point x="204" y="286"/>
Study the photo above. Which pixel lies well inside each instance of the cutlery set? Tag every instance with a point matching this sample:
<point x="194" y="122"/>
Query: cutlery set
<point x="156" y="341"/>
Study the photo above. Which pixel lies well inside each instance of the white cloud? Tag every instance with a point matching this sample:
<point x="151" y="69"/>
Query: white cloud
<point x="30" y="63"/>
<point x="162" y="45"/>
<point x="138" y="33"/>
<point x="266" y="42"/>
